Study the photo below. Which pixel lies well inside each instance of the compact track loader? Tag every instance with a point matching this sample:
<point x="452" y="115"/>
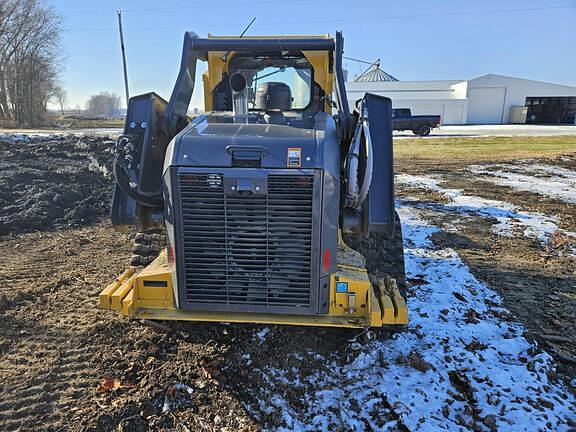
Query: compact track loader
<point x="256" y="196"/>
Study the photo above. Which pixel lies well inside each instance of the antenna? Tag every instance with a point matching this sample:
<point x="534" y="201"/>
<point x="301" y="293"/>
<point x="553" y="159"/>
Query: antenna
<point x="123" y="56"/>
<point x="247" y="27"/>
<point x="225" y="56"/>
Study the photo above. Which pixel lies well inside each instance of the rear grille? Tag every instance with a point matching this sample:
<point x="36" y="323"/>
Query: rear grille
<point x="249" y="253"/>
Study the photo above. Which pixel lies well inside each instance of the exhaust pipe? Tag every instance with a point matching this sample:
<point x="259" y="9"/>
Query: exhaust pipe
<point x="239" y="95"/>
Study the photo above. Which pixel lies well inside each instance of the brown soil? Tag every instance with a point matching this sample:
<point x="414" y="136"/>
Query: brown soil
<point x="538" y="284"/>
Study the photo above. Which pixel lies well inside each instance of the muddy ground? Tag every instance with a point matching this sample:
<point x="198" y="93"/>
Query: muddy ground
<point x="67" y="366"/>
<point x="61" y="183"/>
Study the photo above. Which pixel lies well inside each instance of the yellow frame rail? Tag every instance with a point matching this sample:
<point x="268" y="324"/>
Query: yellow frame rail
<point x="149" y="295"/>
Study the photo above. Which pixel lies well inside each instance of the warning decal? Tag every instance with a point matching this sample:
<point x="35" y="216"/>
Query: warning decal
<point x="295" y="157"/>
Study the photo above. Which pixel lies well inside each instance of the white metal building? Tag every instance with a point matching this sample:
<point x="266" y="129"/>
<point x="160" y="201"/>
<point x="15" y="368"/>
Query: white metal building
<point x="488" y="99"/>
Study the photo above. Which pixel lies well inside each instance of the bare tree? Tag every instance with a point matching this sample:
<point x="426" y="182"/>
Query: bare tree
<point x="104" y="104"/>
<point x="30" y="57"/>
<point x="61" y="98"/>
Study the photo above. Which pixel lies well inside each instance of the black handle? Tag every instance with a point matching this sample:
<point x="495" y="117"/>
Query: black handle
<point x="233" y="148"/>
<point x="246" y="156"/>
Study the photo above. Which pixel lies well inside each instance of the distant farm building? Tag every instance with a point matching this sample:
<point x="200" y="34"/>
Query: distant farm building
<point x="488" y="99"/>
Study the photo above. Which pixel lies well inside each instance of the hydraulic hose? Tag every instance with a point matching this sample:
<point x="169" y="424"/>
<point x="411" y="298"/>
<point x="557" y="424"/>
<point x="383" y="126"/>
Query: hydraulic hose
<point x="356" y="194"/>
<point x="127" y="176"/>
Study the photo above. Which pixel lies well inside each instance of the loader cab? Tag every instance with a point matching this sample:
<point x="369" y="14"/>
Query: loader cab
<point x="308" y="75"/>
<point x="287" y="77"/>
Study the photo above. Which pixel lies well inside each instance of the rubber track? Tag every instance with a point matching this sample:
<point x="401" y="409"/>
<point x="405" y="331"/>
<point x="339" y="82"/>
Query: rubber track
<point x="147" y="246"/>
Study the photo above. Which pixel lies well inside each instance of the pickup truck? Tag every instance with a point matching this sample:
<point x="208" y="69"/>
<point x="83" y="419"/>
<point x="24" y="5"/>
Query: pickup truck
<point x="402" y="119"/>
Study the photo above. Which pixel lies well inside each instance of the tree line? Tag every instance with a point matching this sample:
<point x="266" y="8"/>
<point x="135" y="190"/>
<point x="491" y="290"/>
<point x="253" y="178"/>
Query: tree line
<point x="30" y="60"/>
<point x="104" y="104"/>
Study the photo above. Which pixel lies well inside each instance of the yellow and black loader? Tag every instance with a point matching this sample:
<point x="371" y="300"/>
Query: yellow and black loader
<point x="256" y="196"/>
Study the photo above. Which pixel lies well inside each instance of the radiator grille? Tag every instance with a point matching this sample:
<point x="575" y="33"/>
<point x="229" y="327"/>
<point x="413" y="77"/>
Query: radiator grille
<point x="247" y="252"/>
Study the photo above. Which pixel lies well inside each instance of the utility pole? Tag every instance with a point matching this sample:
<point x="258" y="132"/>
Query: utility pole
<point x="123" y="56"/>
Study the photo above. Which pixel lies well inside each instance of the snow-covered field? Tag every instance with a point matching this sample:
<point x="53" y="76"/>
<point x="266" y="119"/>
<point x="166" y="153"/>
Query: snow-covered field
<point x="47" y="135"/>
<point x="44" y="136"/>
<point x="509" y="218"/>
<point x="555" y="182"/>
<point x="38" y="136"/>
<point x="461" y="364"/>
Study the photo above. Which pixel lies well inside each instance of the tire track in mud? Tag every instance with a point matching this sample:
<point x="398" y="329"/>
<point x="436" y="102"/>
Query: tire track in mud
<point x="48" y="345"/>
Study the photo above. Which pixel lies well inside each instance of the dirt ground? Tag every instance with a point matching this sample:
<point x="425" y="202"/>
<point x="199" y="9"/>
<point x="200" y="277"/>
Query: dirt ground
<point x="67" y="366"/>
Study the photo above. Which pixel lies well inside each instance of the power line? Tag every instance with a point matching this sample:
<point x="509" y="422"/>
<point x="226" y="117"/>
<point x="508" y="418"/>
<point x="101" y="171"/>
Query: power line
<point x="196" y="6"/>
<point x="341" y="20"/>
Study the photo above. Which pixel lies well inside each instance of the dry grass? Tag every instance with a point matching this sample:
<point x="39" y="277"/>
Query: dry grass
<point x="485" y="148"/>
<point x="82" y="123"/>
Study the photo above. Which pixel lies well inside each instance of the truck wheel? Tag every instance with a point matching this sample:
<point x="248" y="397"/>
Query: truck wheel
<point x="424" y="130"/>
<point x="415" y="132"/>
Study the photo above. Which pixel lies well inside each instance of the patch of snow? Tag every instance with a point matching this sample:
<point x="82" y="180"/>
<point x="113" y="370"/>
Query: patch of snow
<point x="479" y="371"/>
<point x="508" y="217"/>
<point x="247" y="359"/>
<point x="548" y="170"/>
<point x="555" y="182"/>
<point x="95" y="166"/>
<point x="419" y="181"/>
<point x="40" y="136"/>
<point x="261" y="335"/>
<point x="25" y="137"/>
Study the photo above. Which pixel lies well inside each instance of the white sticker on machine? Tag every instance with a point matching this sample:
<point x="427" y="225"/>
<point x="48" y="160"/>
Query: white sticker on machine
<point x="295" y="157"/>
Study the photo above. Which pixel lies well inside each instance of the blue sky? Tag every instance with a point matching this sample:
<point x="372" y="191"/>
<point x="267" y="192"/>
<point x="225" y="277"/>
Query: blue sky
<point x="415" y="40"/>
